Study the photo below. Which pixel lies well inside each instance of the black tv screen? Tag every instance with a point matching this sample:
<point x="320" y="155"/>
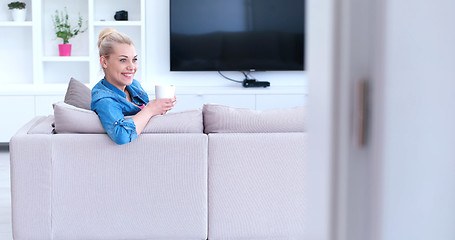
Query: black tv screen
<point x="236" y="35"/>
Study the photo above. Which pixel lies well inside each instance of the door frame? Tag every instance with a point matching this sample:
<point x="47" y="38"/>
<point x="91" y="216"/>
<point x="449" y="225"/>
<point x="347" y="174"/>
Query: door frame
<point x="342" y="177"/>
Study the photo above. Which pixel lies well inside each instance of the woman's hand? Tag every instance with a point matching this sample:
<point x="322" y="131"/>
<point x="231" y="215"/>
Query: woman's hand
<point x="161" y="106"/>
<point x="153" y="108"/>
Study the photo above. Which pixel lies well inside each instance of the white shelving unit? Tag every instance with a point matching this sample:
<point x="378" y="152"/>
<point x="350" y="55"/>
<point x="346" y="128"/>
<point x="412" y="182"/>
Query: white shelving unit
<point x="16" y="47"/>
<point x="66" y="59"/>
<point x="119" y="23"/>
<point x="36" y="47"/>
<point x="16" y="24"/>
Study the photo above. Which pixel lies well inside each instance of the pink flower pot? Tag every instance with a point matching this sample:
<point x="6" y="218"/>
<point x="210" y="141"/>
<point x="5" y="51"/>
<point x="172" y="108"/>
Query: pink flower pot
<point x="64" y="49"/>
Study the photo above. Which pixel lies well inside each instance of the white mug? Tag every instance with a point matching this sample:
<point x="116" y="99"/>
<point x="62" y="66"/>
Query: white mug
<point x="164" y="91"/>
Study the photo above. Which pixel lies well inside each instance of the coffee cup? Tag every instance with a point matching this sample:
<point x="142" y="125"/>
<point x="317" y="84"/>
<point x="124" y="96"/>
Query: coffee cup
<point x="164" y="91"/>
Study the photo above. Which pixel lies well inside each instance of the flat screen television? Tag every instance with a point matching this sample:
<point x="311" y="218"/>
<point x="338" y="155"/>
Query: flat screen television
<point x="237" y="35"/>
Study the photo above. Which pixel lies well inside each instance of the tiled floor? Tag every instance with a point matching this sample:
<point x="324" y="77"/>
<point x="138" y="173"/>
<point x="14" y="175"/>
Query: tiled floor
<point x="5" y="197"/>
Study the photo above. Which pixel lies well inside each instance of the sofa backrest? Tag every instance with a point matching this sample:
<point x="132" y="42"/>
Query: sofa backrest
<point x="213" y="118"/>
<point x="225" y="119"/>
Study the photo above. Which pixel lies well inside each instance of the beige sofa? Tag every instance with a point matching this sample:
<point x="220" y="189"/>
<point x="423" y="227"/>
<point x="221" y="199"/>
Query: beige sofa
<point x="216" y="173"/>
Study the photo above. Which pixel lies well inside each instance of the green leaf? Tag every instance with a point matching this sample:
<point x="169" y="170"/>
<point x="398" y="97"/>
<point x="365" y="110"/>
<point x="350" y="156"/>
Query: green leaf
<point x="63" y="27"/>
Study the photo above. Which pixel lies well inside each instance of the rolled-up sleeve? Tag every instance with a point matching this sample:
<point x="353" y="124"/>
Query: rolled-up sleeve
<point x="120" y="129"/>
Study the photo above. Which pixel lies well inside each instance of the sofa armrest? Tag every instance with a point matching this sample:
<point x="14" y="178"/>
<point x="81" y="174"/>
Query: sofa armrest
<point x="31" y="167"/>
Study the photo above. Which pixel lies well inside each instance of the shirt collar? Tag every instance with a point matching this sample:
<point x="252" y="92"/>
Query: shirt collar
<point x="113" y="88"/>
<point x="132" y="91"/>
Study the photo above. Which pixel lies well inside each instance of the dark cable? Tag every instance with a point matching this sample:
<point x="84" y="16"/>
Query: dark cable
<point x="246" y="76"/>
<point x="230" y="79"/>
<point x="249" y="76"/>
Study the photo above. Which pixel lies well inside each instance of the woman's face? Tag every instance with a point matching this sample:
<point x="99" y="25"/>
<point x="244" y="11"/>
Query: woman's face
<point x="121" y="65"/>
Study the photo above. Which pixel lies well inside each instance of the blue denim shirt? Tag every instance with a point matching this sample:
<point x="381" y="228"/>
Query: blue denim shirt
<point x="111" y="105"/>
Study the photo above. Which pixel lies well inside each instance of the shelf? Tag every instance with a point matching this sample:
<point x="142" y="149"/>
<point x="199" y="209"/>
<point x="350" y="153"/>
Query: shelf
<point x="33" y="89"/>
<point x="116" y="23"/>
<point x="66" y="59"/>
<point x="16" y="24"/>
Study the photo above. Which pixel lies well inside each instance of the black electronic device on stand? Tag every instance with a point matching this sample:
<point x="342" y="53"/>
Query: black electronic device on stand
<point x="248" y="82"/>
<point x="253" y="83"/>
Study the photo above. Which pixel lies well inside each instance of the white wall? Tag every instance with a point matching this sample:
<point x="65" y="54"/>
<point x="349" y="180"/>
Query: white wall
<point x="418" y="161"/>
<point x="157" y="29"/>
<point x="318" y="170"/>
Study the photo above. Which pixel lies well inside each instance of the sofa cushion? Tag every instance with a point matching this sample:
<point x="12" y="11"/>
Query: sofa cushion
<point x="189" y="121"/>
<point x="78" y="94"/>
<point x="225" y="119"/>
<point x="71" y="119"/>
<point x="43" y="125"/>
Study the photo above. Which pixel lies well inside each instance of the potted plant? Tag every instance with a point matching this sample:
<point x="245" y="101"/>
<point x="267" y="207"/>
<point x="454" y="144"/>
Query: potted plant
<point x="18" y="11"/>
<point x="64" y="30"/>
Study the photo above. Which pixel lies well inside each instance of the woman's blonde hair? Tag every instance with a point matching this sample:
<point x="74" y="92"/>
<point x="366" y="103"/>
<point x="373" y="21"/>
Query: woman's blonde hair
<point x="108" y="37"/>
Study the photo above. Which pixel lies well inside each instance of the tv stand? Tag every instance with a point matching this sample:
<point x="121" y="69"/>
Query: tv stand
<point x="253" y="83"/>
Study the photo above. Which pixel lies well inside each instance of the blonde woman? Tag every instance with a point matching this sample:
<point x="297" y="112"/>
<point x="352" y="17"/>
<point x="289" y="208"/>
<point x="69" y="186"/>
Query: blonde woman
<point x="118" y="94"/>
